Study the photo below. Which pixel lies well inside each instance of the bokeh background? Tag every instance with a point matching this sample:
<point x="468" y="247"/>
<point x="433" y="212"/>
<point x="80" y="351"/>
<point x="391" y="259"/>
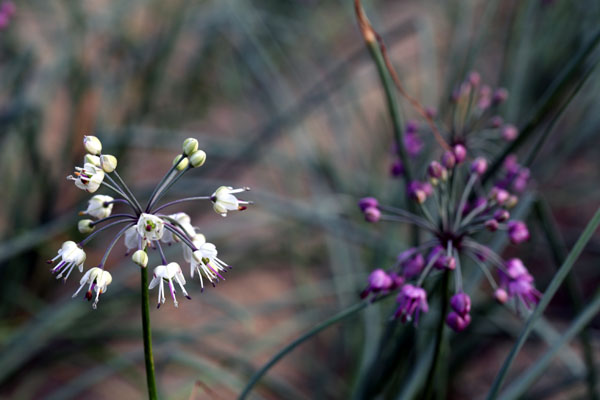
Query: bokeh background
<point x="283" y="97"/>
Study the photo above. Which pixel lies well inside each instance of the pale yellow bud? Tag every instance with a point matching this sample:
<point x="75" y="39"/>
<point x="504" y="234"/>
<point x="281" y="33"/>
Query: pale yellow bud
<point x="85" y="226"/>
<point x="190" y="146"/>
<point x="140" y="257"/>
<point x="198" y="158"/>
<point x="91" y="159"/>
<point x="92" y="145"/>
<point x="182" y="164"/>
<point x="108" y="162"/>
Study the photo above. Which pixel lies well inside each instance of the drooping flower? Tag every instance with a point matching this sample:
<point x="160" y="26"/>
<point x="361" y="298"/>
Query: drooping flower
<point x="167" y="274"/>
<point x="99" y="206"/>
<point x="379" y="281"/>
<point x="224" y="200"/>
<point x="205" y="261"/>
<point x="88" y="178"/>
<point x="72" y="256"/>
<point x="412" y="301"/>
<point x="518" y="232"/>
<point x="517" y="282"/>
<point x="97" y="280"/>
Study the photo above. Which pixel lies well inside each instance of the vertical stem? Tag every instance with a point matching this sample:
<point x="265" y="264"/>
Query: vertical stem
<point x="150" y="374"/>
<point x="440" y="335"/>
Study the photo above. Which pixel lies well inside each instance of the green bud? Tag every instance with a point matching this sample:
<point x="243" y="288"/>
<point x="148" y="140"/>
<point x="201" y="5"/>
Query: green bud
<point x="140" y="258"/>
<point x="190" y="146"/>
<point x="108" y="162"/>
<point x="198" y="158"/>
<point x="85" y="226"/>
<point x="182" y="164"/>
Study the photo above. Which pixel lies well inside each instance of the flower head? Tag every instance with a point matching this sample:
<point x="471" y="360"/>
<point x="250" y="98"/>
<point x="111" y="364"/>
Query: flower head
<point x="167" y="274"/>
<point x="412" y="300"/>
<point x="88" y="178"/>
<point x="97" y="280"/>
<point x="150" y="227"/>
<point x="224" y="200"/>
<point x="71" y="256"/>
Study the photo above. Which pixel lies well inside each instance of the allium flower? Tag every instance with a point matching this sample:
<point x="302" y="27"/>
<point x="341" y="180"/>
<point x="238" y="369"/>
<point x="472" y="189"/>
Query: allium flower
<point x="224" y="200"/>
<point x="517" y="282"/>
<point x="143" y="227"/>
<point x="379" y="281"/>
<point x="97" y="280"/>
<point x="167" y="274"/>
<point x="518" y="232"/>
<point x="99" y="206"/>
<point x="72" y="256"/>
<point x="88" y="178"/>
<point x="412" y="301"/>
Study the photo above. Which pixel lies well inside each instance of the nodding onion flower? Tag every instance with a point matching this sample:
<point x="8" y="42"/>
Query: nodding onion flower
<point x="455" y="206"/>
<point x="143" y="228"/>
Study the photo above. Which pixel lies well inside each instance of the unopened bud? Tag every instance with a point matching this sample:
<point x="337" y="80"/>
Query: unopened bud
<point x="501" y="295"/>
<point x="108" y="163"/>
<point x="92" y="145"/>
<point x="183" y="164"/>
<point x="91" y="159"/>
<point x="140" y="257"/>
<point x="198" y="158"/>
<point x="85" y="226"/>
<point x="190" y="146"/>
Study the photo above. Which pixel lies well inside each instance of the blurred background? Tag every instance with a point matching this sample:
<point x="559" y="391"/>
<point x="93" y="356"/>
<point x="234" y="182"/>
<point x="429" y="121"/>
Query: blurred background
<point x="283" y="97"/>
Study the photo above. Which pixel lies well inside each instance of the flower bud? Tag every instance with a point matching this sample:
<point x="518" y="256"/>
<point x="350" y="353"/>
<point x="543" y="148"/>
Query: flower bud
<point x="509" y="132"/>
<point x="500" y="96"/>
<point x="460" y="153"/>
<point x="501" y="215"/>
<point x="140" y="257"/>
<point x="91" y="159"/>
<point x="108" y="163"/>
<point x="190" y="146"/>
<point x="496" y="121"/>
<point x="461" y="303"/>
<point x="367" y="202"/>
<point x="491" y="225"/>
<point x="372" y="214"/>
<point x="435" y="170"/>
<point x="512" y="201"/>
<point x="517" y="232"/>
<point x="85" y="226"/>
<point x="183" y="164"/>
<point x="501" y="196"/>
<point x="448" y="160"/>
<point x="479" y="166"/>
<point x="458" y="322"/>
<point x="474" y="78"/>
<point x="92" y="145"/>
<point x="198" y="158"/>
<point x="501" y="295"/>
<point x="397" y="169"/>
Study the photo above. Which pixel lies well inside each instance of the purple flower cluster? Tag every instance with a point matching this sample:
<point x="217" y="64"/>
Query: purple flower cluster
<point x="7" y="11"/>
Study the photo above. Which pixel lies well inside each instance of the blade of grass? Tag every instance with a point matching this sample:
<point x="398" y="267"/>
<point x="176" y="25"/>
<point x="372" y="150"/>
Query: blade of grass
<point x="548" y="295"/>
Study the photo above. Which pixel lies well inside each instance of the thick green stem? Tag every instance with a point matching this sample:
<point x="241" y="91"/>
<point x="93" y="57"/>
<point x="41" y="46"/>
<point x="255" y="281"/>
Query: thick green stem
<point x="440" y="335"/>
<point x="150" y="374"/>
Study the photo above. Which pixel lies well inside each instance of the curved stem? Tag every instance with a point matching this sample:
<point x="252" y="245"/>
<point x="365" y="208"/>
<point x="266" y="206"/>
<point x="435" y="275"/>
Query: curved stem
<point x="180" y="201"/>
<point x="130" y="216"/>
<point x="128" y="191"/>
<point x="147" y="334"/>
<point x="162" y="181"/>
<point x="167" y="186"/>
<point x="287" y="349"/>
<point x="91" y="235"/>
<point x="112" y="244"/>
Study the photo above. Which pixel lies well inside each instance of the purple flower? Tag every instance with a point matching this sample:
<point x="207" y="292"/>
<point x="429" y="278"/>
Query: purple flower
<point x="500" y="96"/>
<point x="418" y="191"/>
<point x="460" y="153"/>
<point x="474" y="78"/>
<point x="499" y="195"/>
<point x="367" y="202"/>
<point x="458" y="322"/>
<point x="413" y="266"/>
<point x="491" y="225"/>
<point x="372" y="214"/>
<point x="461" y="303"/>
<point x="435" y="170"/>
<point x="518" y="282"/>
<point x="517" y="232"/>
<point x="412" y="143"/>
<point x="442" y="260"/>
<point x="509" y="132"/>
<point x="448" y="160"/>
<point x="501" y="215"/>
<point x="485" y="97"/>
<point x="412" y="300"/>
<point x="496" y="121"/>
<point x="379" y="281"/>
<point x="479" y="166"/>
<point x="397" y="169"/>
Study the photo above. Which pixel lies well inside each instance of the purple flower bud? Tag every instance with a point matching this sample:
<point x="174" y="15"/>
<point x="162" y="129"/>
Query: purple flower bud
<point x="457" y="322"/>
<point x="515" y="269"/>
<point x="501" y="215"/>
<point x="448" y="160"/>
<point x="491" y="225"/>
<point x="406" y="254"/>
<point x="435" y="170"/>
<point x="509" y="132"/>
<point x="499" y="195"/>
<point x="450" y="263"/>
<point x="417" y="192"/>
<point x="511" y="165"/>
<point x="413" y="266"/>
<point x="379" y="281"/>
<point x="474" y="78"/>
<point x="496" y="121"/>
<point x="397" y="169"/>
<point x="372" y="214"/>
<point x="412" y="300"/>
<point x="517" y="232"/>
<point x="500" y="96"/>
<point x="397" y="280"/>
<point x="4" y="20"/>
<point x="427" y="188"/>
<point x="460" y="153"/>
<point x="461" y="303"/>
<point x="479" y="166"/>
<point x="367" y="202"/>
<point x="412" y="126"/>
<point x="442" y="260"/>
<point x="501" y="295"/>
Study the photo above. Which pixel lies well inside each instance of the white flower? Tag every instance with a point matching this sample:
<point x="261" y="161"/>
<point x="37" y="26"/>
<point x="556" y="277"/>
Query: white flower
<point x="87" y="178"/>
<point x="92" y="145"/>
<point x="183" y="222"/>
<point x="168" y="273"/>
<point x="98" y="280"/>
<point x="72" y="256"/>
<point x="150" y="227"/>
<point x="132" y="239"/>
<point x="205" y="261"/>
<point x="199" y="240"/>
<point x="97" y="208"/>
<point x="224" y="200"/>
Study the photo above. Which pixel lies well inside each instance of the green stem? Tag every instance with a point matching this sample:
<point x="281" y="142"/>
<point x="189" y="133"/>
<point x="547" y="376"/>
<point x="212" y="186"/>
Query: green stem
<point x="150" y="374"/>
<point x="563" y="271"/>
<point x="439" y="337"/>
<point x="287" y="349"/>
<point x="559" y="253"/>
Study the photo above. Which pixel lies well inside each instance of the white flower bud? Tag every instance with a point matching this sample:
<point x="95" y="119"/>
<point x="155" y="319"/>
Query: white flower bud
<point x="182" y="164"/>
<point x="140" y="257"/>
<point x="99" y="206"/>
<point x="92" y="145"/>
<point x="85" y="226"/>
<point x="91" y="159"/>
<point x="198" y="158"/>
<point x="108" y="162"/>
<point x="190" y="146"/>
